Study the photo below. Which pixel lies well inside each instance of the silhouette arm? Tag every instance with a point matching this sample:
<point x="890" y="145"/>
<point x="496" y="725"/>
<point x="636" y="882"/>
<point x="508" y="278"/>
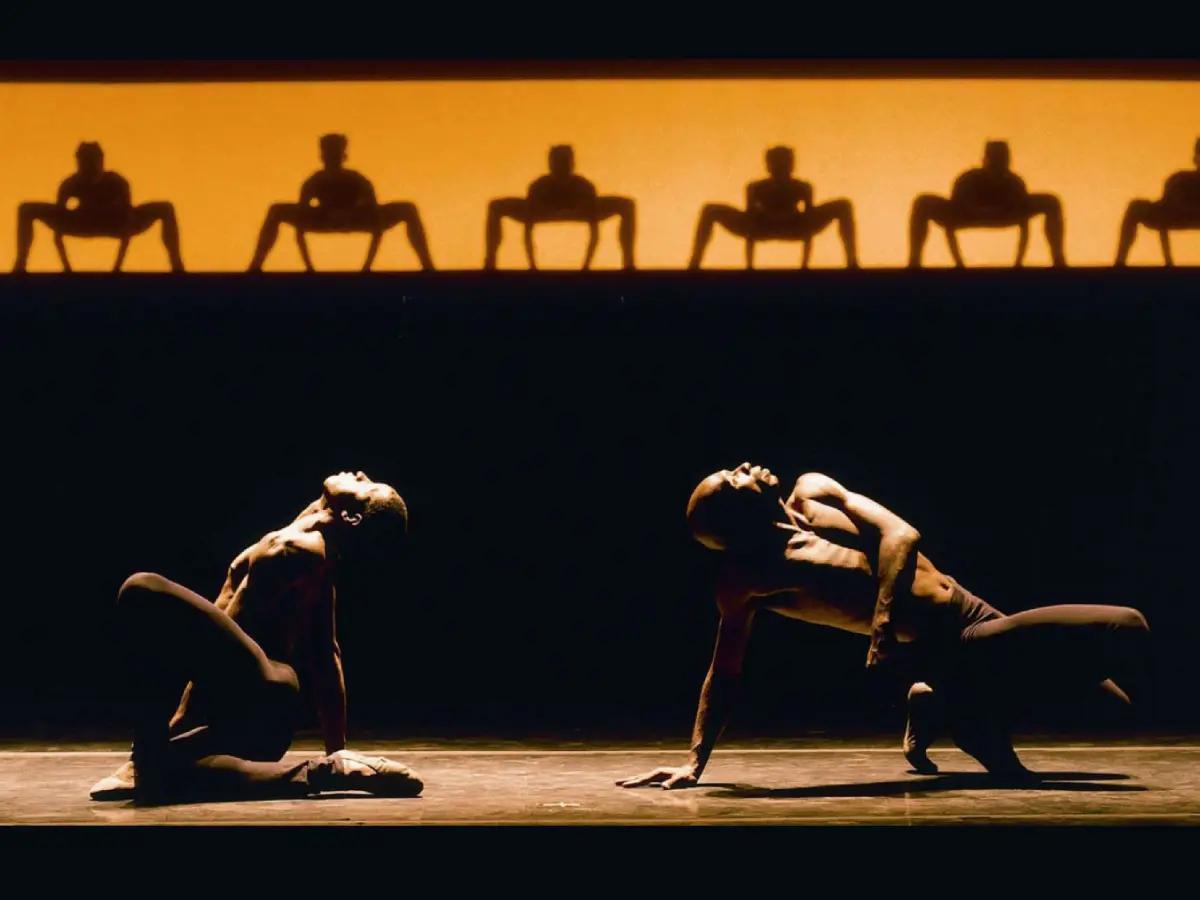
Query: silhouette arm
<point x="66" y="191"/>
<point x="124" y="200"/>
<point x="1172" y="183"/>
<point x="593" y="222"/>
<point x="533" y="203"/>
<point x="897" y="544"/>
<point x="1020" y="195"/>
<point x="806" y="196"/>
<point x="962" y="191"/>
<point x="124" y="194"/>
<point x="308" y="193"/>
<point x="1172" y="189"/>
<point x="716" y="696"/>
<point x="718" y="692"/>
<point x="753" y="204"/>
<point x="366" y="194"/>
<point x="329" y="684"/>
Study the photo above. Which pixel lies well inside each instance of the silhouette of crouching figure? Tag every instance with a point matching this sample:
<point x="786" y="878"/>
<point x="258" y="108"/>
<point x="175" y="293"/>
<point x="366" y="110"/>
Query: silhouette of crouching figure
<point x="561" y="196"/>
<point x="337" y="200"/>
<point x="778" y="208"/>
<point x="991" y="196"/>
<point x="1177" y="210"/>
<point x="105" y="210"/>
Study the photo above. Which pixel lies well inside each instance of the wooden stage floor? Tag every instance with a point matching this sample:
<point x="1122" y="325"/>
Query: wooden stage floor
<point x="835" y="784"/>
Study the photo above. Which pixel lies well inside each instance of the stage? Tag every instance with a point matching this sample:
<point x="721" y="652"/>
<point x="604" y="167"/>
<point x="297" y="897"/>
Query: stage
<point x="810" y="783"/>
<point x="546" y="431"/>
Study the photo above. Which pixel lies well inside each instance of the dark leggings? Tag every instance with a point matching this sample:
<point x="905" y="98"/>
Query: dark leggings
<point x="1000" y="662"/>
<point x="173" y="636"/>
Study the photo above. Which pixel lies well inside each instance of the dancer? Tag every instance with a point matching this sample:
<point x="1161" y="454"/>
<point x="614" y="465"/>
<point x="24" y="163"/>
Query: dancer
<point x="1177" y="210"/>
<point x="561" y="195"/>
<point x="105" y="209"/>
<point x="991" y="196"/>
<point x="773" y="213"/>
<point x="237" y="663"/>
<point x="829" y="556"/>
<point x="337" y="200"/>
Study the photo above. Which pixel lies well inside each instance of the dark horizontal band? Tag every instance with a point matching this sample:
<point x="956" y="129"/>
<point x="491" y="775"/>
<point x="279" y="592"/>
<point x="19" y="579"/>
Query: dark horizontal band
<point x="145" y="70"/>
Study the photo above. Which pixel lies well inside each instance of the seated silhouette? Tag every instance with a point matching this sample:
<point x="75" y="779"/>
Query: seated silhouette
<point x="337" y="200"/>
<point x="561" y="196"/>
<point x="778" y="208"/>
<point x="992" y="196"/>
<point x="1178" y="210"/>
<point x="104" y="208"/>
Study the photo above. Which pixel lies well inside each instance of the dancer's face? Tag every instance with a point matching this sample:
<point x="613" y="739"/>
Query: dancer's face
<point x="733" y="507"/>
<point x="346" y="489"/>
<point x="749" y="477"/>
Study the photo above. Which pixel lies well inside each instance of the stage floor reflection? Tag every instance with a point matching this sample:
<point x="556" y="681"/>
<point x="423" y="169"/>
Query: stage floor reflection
<point x="839" y="783"/>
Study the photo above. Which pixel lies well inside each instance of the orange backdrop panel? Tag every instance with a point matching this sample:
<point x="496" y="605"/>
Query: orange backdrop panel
<point x="223" y="152"/>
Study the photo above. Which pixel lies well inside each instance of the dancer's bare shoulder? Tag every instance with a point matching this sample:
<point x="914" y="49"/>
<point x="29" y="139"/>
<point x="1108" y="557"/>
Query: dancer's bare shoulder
<point x="280" y="561"/>
<point x="820" y="538"/>
<point x="286" y="555"/>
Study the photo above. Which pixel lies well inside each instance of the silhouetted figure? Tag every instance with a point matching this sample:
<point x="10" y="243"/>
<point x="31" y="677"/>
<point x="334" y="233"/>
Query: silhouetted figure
<point x="337" y="200"/>
<point x="231" y="670"/>
<point x="1178" y="210"/>
<point x="561" y="196"/>
<point x="993" y="196"/>
<point x="105" y="209"/>
<point x="828" y="556"/>
<point x="778" y="208"/>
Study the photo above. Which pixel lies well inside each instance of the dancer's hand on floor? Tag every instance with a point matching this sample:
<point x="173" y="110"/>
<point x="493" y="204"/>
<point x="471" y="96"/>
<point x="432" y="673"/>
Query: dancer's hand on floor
<point x="668" y="777"/>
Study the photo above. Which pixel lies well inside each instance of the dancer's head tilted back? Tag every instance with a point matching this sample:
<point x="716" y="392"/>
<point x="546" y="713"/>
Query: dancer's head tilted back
<point x="734" y="510"/>
<point x="369" y="517"/>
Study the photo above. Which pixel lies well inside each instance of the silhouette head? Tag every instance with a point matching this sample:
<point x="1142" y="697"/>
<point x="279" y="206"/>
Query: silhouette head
<point x="89" y="158"/>
<point x="734" y="510"/>
<point x="996" y="156"/>
<point x="781" y="162"/>
<point x="370" y="517"/>
<point x="562" y="160"/>
<point x="333" y="150"/>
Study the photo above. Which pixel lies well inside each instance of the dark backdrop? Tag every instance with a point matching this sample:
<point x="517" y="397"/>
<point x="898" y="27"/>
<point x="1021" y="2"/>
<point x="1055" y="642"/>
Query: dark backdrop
<point x="546" y="432"/>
